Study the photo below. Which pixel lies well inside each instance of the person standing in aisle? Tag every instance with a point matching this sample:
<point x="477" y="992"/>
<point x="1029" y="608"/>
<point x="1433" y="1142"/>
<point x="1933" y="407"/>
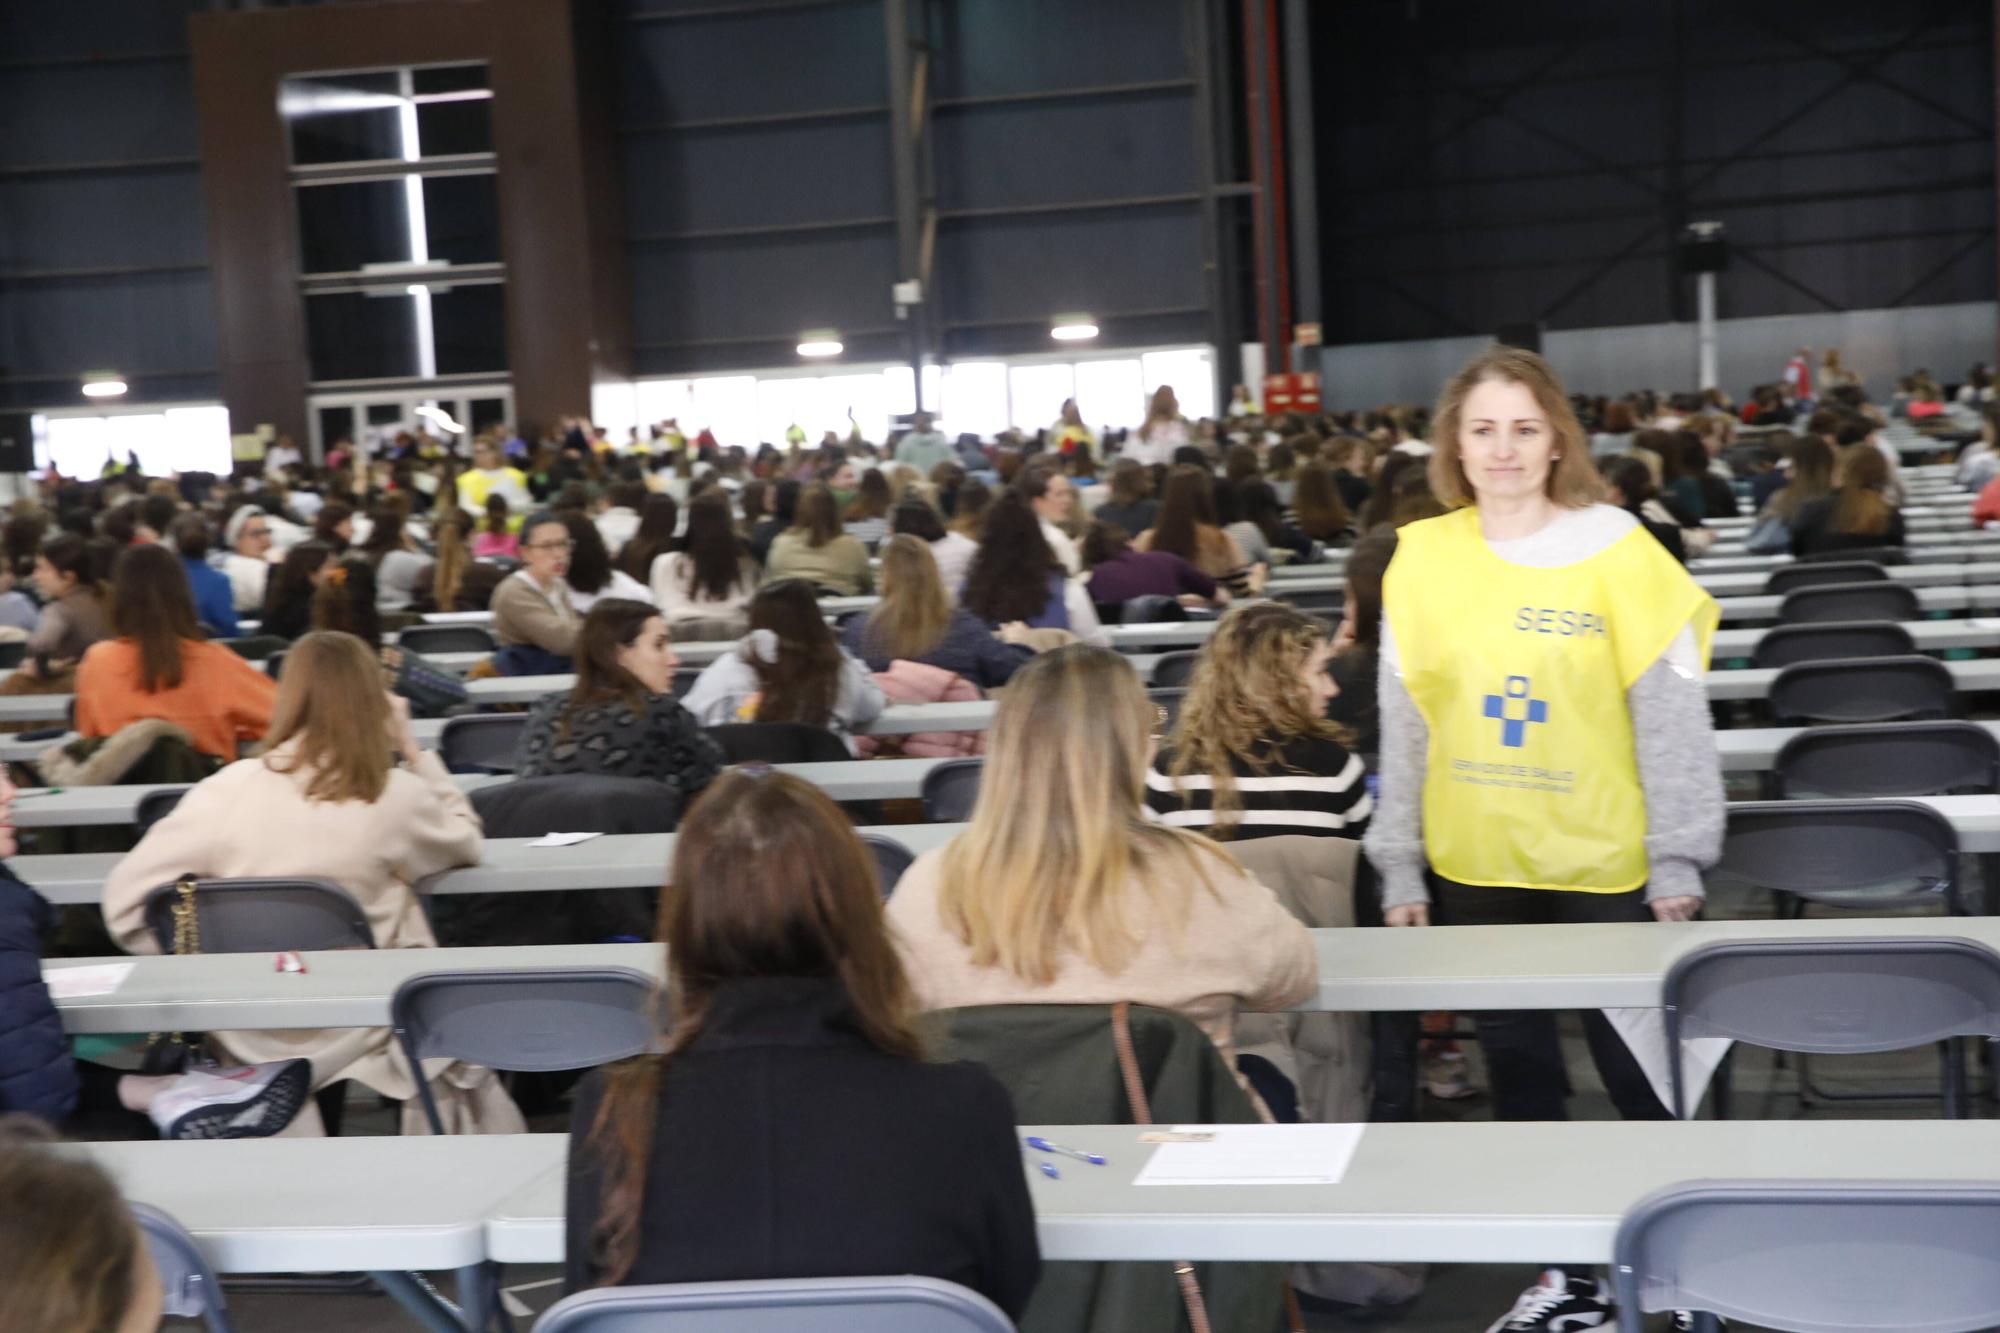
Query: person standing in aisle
<point x="1546" y="747"/>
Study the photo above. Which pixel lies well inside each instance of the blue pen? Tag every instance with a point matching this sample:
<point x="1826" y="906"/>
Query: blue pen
<point x="1041" y="1144"/>
<point x="1049" y="1170"/>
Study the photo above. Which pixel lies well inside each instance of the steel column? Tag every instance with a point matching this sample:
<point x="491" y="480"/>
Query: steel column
<point x="906" y="131"/>
<point x="1304" y="183"/>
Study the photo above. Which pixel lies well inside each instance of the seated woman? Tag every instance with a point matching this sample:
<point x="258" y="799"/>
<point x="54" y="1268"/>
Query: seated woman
<point x="76" y="1260"/>
<point x="1187" y="527"/>
<point x="400" y="568"/>
<point x="1252" y="754"/>
<point x="1357" y="644"/>
<point x="1628" y="485"/>
<point x="789" y="668"/>
<point x="591" y="574"/>
<point x="916" y="622"/>
<point x="1857" y="516"/>
<point x="787" y="996"/>
<point x="1118" y="573"/>
<point x="1016" y="583"/>
<point x="1130" y="505"/>
<point x="76" y="613"/>
<point x="496" y="535"/>
<point x="621" y="719"/>
<point x="709" y="579"/>
<point x="288" y="598"/>
<point x="214" y="601"/>
<point x="533" y="616"/>
<point x="159" y="666"/>
<point x="1260" y="515"/>
<point x="953" y="551"/>
<point x="1062" y="891"/>
<point x="342" y="792"/>
<point x="815" y="549"/>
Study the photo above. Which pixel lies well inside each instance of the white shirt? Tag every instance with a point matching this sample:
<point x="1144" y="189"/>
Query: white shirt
<point x="621" y="585"/>
<point x="1167" y="436"/>
<point x="617" y="526"/>
<point x="1065" y="549"/>
<point x="669" y="577"/>
<point x="953" y="553"/>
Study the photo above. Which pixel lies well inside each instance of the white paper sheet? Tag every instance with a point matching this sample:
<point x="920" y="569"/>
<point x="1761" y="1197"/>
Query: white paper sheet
<point x="72" y="983"/>
<point x="1255" y="1155"/>
<point x="563" y="839"/>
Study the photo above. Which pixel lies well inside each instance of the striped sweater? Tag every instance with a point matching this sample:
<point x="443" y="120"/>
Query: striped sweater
<point x="1312" y="786"/>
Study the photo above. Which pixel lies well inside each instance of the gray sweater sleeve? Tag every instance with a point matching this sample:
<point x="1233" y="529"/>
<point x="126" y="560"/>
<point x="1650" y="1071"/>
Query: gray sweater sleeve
<point x="1673" y="735"/>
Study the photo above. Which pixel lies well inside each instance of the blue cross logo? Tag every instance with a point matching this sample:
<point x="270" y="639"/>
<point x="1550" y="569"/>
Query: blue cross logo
<point x="1516" y="711"/>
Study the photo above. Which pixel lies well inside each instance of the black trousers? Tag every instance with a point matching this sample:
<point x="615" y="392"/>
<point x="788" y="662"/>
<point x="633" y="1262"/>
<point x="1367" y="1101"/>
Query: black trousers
<point x="1523" y="1051"/>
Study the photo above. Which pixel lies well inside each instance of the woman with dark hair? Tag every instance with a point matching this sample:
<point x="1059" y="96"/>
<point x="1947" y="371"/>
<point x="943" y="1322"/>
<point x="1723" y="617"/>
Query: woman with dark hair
<point x="968" y="514"/>
<point x="1259" y="515"/>
<point x="1357" y="643"/>
<point x="533" y="617"/>
<point x="400" y="569"/>
<point x="75" y="612"/>
<point x="1131" y="506"/>
<point x="752" y="504"/>
<point x="288" y="598"/>
<point x="1857" y="516"/>
<point x="657" y="523"/>
<point x="1630" y="486"/>
<point x="591" y="574"/>
<point x="916" y="622"/>
<point x="344" y="600"/>
<point x="815" y="549"/>
<point x="1187" y="527"/>
<point x="953" y="551"/>
<point x="783" y="504"/>
<point x="333" y="525"/>
<point x="1118" y="573"/>
<point x="867" y="515"/>
<point x="787" y="993"/>
<point x="621" y="718"/>
<point x="159" y="666"/>
<point x="789" y="668"/>
<point x="496" y="536"/>
<point x="1318" y="510"/>
<point x="1016" y="582"/>
<point x="214" y="601"/>
<point x="709" y="576"/>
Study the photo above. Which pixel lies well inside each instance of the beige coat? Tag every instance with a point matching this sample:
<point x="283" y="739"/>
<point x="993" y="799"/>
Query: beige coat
<point x="1240" y="949"/>
<point x="249" y="820"/>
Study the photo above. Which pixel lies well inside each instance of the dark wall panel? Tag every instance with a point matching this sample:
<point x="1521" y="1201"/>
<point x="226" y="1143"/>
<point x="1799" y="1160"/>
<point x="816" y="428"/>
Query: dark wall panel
<point x="93" y="220"/>
<point x="762" y="288"/>
<point x="758" y="63"/>
<point x="988" y="47"/>
<point x="136" y="325"/>
<point x="1041" y="152"/>
<point x="116" y="112"/>
<point x="1031" y="269"/>
<point x="757" y="176"/>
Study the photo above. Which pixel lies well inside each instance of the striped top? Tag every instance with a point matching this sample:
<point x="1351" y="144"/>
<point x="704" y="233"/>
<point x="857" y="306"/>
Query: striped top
<point x="1314" y="786"/>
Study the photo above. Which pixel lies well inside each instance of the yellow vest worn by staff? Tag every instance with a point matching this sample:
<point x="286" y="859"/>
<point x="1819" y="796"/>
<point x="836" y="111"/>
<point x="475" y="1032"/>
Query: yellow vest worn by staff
<point x="1521" y="673"/>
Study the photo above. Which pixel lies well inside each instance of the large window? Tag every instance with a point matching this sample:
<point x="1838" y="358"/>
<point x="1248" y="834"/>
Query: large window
<point x="175" y="439"/>
<point x="399" y="236"/>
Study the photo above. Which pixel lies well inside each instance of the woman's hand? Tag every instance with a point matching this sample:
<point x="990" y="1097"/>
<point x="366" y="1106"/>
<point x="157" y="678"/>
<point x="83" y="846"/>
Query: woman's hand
<point x="1259" y="572"/>
<point x="1675" y="909"/>
<point x="400" y="735"/>
<point x="1408" y="914"/>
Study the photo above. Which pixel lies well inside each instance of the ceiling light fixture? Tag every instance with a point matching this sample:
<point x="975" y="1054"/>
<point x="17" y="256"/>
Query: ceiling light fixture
<point x="103" y="385"/>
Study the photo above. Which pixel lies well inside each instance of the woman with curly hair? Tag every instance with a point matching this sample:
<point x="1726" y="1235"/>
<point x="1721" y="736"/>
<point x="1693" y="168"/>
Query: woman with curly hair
<point x="1252" y="755"/>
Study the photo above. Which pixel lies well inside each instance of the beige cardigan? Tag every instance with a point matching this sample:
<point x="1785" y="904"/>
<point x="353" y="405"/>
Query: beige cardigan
<point x="1240" y="949"/>
<point x="249" y="820"/>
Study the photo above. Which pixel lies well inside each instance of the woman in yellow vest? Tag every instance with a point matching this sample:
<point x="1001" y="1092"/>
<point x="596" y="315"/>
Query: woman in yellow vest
<point x="1546" y="748"/>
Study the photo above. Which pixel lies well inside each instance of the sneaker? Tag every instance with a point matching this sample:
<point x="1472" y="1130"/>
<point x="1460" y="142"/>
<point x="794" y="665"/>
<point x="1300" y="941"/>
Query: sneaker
<point x="233" y="1101"/>
<point x="1559" y="1303"/>
<point x="1445" y="1076"/>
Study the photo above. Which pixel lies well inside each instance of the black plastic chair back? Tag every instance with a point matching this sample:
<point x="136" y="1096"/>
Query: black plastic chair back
<point x="274" y="666"/>
<point x="1308" y="599"/>
<point x="1793" y="577"/>
<point x="1889" y="759"/>
<point x="1833" y="641"/>
<point x="481" y="742"/>
<point x="263" y="916"/>
<point x="155" y="806"/>
<point x="256" y="647"/>
<point x="778" y="743"/>
<point x="1174" y="670"/>
<point x="427" y="639"/>
<point x="1865" y="689"/>
<point x="13" y="654"/>
<point x="892" y="858"/>
<point x="1846" y="854"/>
<point x="1850" y="601"/>
<point x="950" y="790"/>
<point x="1151" y="609"/>
<point x="189" y="1288"/>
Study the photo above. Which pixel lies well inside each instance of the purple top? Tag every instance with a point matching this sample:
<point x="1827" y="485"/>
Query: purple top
<point x="1146" y="574"/>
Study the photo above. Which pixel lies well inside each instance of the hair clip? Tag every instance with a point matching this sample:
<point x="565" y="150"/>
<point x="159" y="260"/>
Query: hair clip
<point x="337" y="576"/>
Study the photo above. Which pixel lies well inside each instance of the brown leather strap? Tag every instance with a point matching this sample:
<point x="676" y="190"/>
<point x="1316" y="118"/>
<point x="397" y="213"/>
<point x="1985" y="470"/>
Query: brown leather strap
<point x="1142" y="1114"/>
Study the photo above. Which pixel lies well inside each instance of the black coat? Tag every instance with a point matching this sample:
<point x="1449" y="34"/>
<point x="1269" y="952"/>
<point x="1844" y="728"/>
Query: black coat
<point x="37" y="1073"/>
<point x="786" y="1146"/>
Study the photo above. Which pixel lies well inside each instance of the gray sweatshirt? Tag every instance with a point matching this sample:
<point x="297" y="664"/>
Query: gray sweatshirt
<point x="730" y="680"/>
<point x="1673" y="734"/>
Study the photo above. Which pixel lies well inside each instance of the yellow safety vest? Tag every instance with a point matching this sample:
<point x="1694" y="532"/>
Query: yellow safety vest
<point x="1521" y="674"/>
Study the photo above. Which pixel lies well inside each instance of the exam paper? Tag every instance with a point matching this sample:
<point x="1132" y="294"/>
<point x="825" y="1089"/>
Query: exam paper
<point x="72" y="983"/>
<point x="1255" y="1155"/>
<point x="563" y="839"/>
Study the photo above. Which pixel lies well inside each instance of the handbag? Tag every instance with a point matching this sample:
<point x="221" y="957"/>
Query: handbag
<point x="173" y="1052"/>
<point x="431" y="690"/>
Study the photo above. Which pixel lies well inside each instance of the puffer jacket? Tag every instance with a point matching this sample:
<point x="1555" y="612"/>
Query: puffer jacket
<point x="37" y="1073"/>
<point x="908" y="682"/>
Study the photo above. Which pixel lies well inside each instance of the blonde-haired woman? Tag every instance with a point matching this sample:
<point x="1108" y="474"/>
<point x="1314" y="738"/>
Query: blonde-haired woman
<point x="916" y="622"/>
<point x="1062" y="891"/>
<point x="1546" y="751"/>
<point x="1252" y="755"/>
<point x="343" y="792"/>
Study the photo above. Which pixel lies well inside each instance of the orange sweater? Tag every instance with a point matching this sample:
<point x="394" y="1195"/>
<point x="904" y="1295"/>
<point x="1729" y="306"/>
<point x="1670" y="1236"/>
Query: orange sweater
<point x="221" y="699"/>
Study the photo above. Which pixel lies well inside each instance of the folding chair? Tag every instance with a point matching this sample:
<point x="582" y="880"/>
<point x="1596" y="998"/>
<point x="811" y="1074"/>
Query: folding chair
<point x="784" y="1305"/>
<point x="1833" y="997"/>
<point x="1807" y="1255"/>
<point x="1151" y="609"/>
<point x="263" y="915"/>
<point x="256" y="647"/>
<point x="778" y="743"/>
<point x="1855" y="855"/>
<point x="155" y="806"/>
<point x="950" y="789"/>
<point x="892" y="858"/>
<point x="1865" y="689"/>
<point x="187" y="1283"/>
<point x="1174" y="670"/>
<point x="1793" y="577"/>
<point x="1850" y="601"/>
<point x="1833" y="641"/>
<point x="447" y="639"/>
<point x="481" y="742"/>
